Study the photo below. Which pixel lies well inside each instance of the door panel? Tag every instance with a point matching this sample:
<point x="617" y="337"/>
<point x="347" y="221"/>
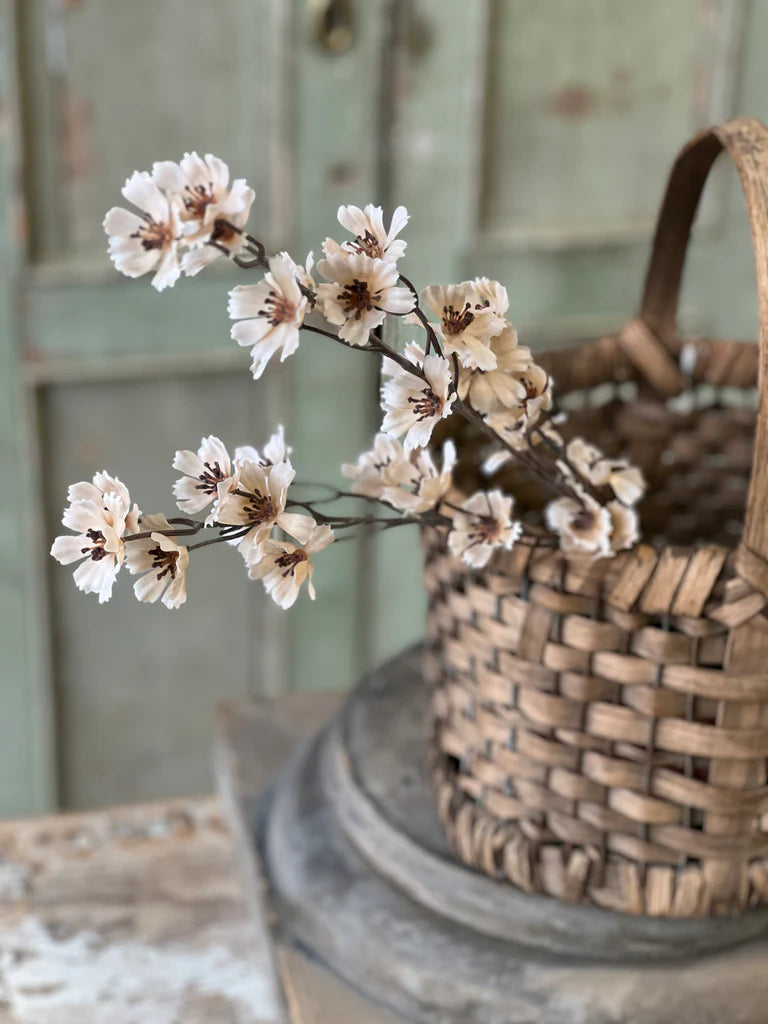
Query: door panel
<point x="137" y="687"/>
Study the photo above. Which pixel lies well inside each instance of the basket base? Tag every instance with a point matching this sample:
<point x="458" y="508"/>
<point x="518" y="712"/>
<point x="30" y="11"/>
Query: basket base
<point x="360" y="875"/>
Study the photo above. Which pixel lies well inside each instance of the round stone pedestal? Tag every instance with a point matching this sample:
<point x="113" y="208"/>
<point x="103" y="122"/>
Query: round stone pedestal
<point x="361" y="876"/>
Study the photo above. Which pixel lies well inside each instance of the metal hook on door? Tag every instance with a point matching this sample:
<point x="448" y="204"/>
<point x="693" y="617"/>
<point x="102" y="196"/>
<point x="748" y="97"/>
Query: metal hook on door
<point x="333" y="24"/>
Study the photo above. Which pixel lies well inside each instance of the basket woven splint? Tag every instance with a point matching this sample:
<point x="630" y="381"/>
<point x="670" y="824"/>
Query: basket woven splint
<point x="600" y="728"/>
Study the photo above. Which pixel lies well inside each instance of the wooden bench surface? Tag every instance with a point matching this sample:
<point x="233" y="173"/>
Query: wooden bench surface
<point x="133" y="915"/>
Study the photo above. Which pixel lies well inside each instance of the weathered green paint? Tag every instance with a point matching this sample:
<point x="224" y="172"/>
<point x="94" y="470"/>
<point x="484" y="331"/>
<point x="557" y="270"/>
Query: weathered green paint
<point x="333" y="392"/>
<point x="118" y="86"/>
<point x="25" y="743"/>
<point x="579" y="125"/>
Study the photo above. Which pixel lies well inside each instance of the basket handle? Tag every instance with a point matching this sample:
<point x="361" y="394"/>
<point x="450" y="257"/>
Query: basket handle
<point x="746" y="142"/>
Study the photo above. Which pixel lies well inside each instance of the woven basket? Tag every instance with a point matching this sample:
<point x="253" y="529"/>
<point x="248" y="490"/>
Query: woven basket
<point x="600" y="729"/>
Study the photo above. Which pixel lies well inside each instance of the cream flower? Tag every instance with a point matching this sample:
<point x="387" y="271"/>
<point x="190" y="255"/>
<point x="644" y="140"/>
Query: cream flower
<point x="208" y="475"/>
<point x="283" y="567"/>
<point x="147" y="241"/>
<point x="626" y="481"/>
<point x="581" y="525"/>
<point x="467" y="322"/>
<point x="513" y="423"/>
<point x="259" y="503"/>
<point x="362" y="292"/>
<point x="426" y="485"/>
<point x="99" y="528"/>
<point x="492" y="294"/>
<point x="625" y="526"/>
<point x="371" y="238"/>
<point x="584" y="458"/>
<point x="104" y="483"/>
<point x="414" y="406"/>
<point x="209" y="208"/>
<point x="503" y="387"/>
<point x="271" y="312"/>
<point x="275" y="450"/>
<point x="483" y="524"/>
<point x="162" y="560"/>
<point x="385" y="466"/>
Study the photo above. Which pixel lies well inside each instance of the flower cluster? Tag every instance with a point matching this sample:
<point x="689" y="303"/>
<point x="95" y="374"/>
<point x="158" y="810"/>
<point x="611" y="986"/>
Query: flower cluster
<point x="246" y="499"/>
<point x="584" y="524"/>
<point x="181" y="206"/>
<point x="465" y="360"/>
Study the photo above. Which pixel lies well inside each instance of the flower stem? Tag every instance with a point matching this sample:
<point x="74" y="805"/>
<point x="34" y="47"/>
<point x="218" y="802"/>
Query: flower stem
<point x="432" y="341"/>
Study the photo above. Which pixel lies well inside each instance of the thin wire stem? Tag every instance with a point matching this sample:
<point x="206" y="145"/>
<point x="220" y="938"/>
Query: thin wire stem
<point x="432" y="341"/>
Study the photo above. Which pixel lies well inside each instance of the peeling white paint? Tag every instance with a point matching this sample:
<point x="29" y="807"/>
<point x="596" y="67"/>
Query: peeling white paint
<point x="81" y="979"/>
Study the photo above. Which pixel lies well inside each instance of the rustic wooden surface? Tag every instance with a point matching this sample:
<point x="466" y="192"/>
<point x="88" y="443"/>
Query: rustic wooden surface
<point x="129" y="916"/>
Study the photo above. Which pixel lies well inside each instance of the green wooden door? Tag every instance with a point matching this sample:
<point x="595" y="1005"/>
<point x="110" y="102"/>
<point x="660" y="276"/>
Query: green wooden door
<point x="529" y="141"/>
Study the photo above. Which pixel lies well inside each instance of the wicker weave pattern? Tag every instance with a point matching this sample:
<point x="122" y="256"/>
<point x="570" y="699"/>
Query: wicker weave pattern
<point x="580" y="713"/>
<point x="600" y="729"/>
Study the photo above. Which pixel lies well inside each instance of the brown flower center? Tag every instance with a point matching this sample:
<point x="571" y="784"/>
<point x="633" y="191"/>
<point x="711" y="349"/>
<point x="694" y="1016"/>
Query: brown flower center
<point x="97" y="551"/>
<point x="278" y="309"/>
<point x="428" y="405"/>
<point x="153" y="234"/>
<point x="212" y="475"/>
<point x="583" y="520"/>
<point x="457" y="320"/>
<point x="165" y="561"/>
<point x="259" y="508"/>
<point x="368" y="244"/>
<point x="486" y="530"/>
<point x="356" y="298"/>
<point x="197" y="198"/>
<point x="290" y="560"/>
<point x="531" y="388"/>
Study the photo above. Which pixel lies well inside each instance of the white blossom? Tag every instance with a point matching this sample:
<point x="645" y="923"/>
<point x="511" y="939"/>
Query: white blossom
<point x="626" y="481"/>
<point x="362" y="291"/>
<point x="467" y="322"/>
<point x="504" y="386"/>
<point x="104" y="483"/>
<point x="98" y="528"/>
<point x="275" y="450"/>
<point x="370" y="236"/>
<point x="149" y="240"/>
<point x="386" y="465"/>
<point x="492" y="294"/>
<point x="583" y="526"/>
<point x="210" y="210"/>
<point x="483" y="524"/>
<point x="413" y="406"/>
<point x="271" y="312"/>
<point x="513" y="423"/>
<point x="208" y="476"/>
<point x="625" y="526"/>
<point x="283" y="567"/>
<point x="426" y="485"/>
<point x="258" y="505"/>
<point x="162" y="561"/>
